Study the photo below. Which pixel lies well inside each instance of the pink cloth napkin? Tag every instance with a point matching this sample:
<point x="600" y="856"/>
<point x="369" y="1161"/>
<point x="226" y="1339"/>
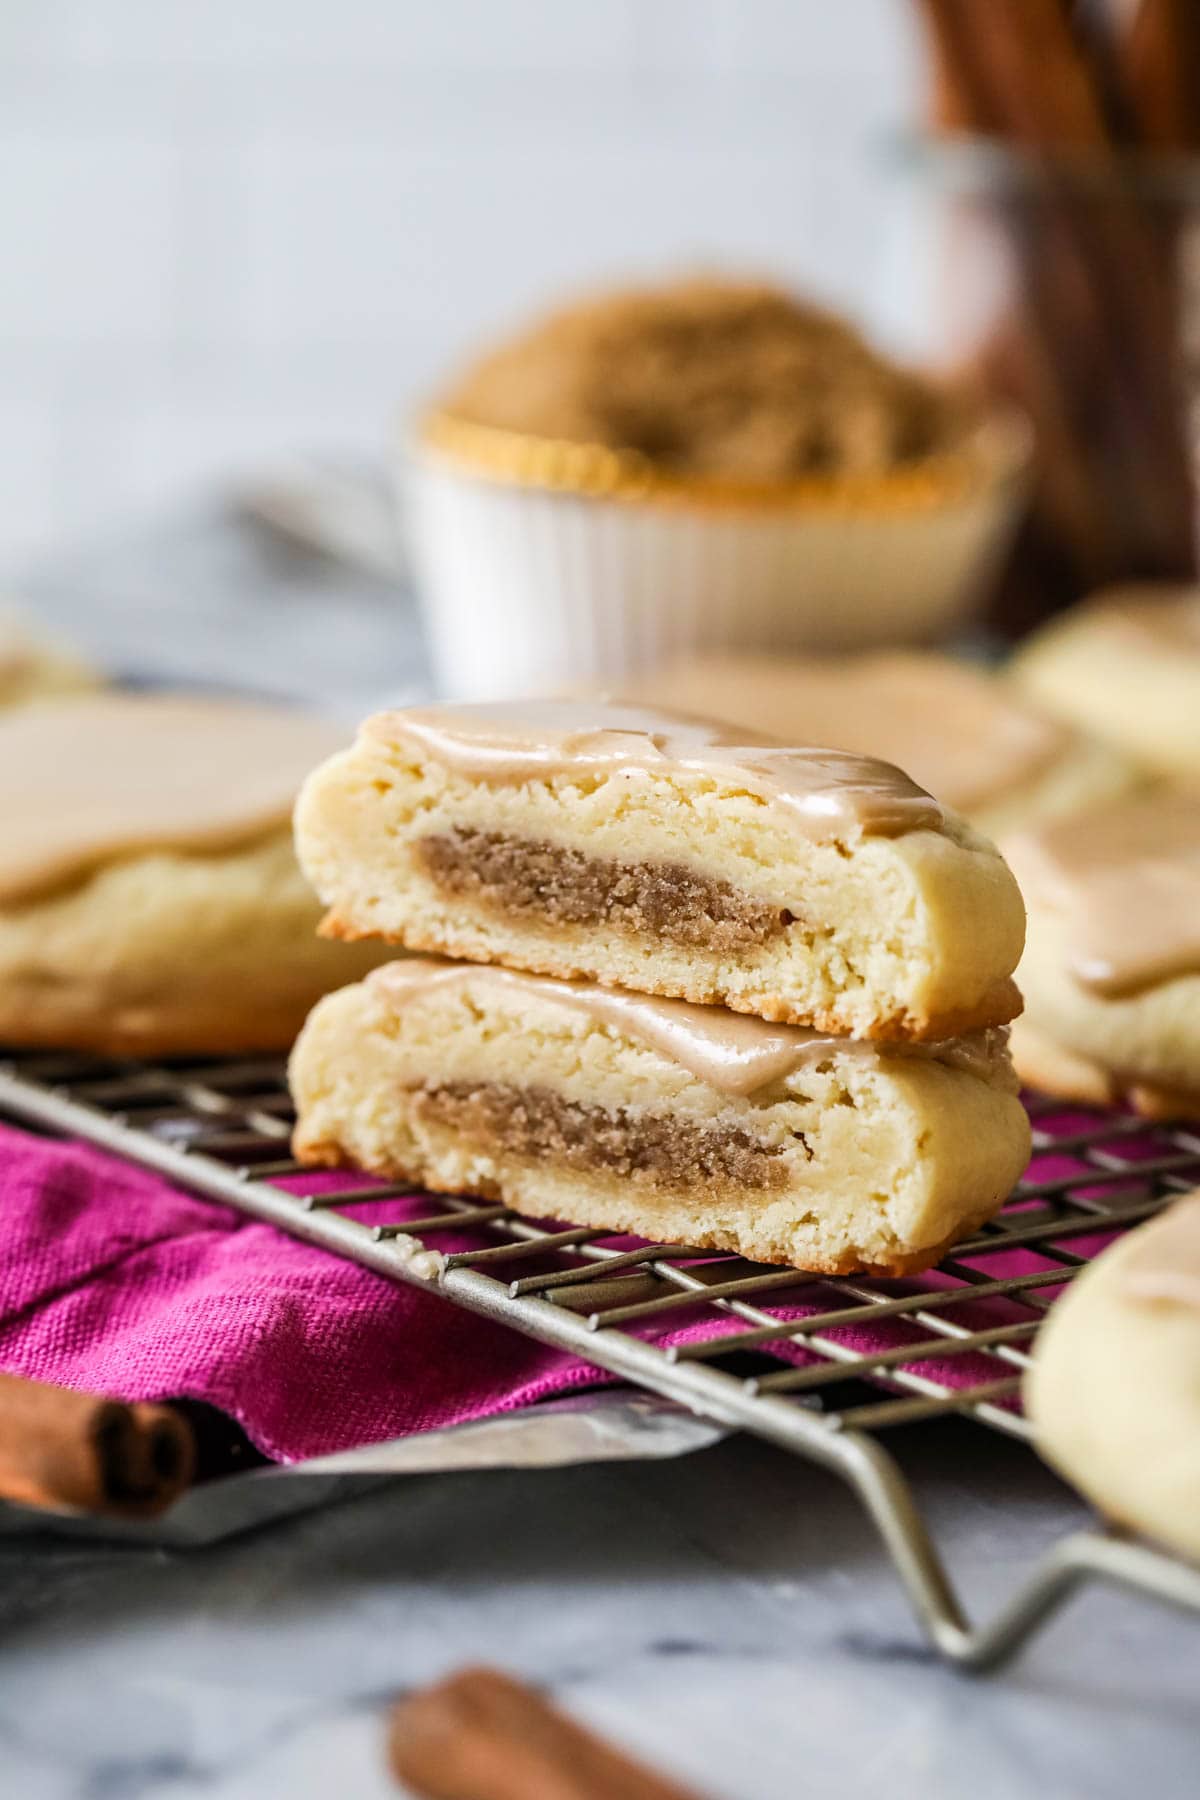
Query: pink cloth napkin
<point x="114" y="1281"/>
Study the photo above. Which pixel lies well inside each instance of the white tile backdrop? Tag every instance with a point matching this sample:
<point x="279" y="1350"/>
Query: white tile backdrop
<point x="233" y="228"/>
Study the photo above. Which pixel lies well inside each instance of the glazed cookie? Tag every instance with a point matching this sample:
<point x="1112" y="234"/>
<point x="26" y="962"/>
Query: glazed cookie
<point x="965" y="735"/>
<point x="660" y="853"/>
<point x="1125" y="666"/>
<point x="683" y="1123"/>
<point x="150" y="901"/>
<point x="1114" y="1390"/>
<point x="1111" y="972"/>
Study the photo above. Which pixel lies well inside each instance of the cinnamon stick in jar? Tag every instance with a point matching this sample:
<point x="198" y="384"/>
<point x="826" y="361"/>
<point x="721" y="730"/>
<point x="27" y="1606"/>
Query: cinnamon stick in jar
<point x="1158" y="56"/>
<point x="480" y="1735"/>
<point x="1095" y="282"/>
<point x="66" y="1450"/>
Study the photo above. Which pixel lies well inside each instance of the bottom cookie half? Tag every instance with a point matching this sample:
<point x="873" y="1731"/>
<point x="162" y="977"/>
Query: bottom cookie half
<point x="676" y="1123"/>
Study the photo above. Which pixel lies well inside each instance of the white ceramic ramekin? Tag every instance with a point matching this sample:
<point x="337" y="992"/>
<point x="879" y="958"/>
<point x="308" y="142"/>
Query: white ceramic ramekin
<point x="542" y="565"/>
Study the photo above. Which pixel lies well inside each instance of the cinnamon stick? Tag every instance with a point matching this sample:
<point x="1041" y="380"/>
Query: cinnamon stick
<point x="1115" y="475"/>
<point x="1100" y="27"/>
<point x="1015" y="71"/>
<point x="1158" y="61"/>
<point x="63" y="1449"/>
<point x="480" y="1735"/>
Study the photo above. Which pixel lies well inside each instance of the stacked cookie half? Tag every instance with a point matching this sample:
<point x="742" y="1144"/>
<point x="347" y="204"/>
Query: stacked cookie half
<point x="725" y="994"/>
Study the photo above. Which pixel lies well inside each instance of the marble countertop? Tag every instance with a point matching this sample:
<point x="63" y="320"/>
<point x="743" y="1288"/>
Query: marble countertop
<point x="730" y="1615"/>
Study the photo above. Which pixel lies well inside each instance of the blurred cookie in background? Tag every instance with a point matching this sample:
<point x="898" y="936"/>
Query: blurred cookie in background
<point x="1126" y="666"/>
<point x="150" y="899"/>
<point x="972" y="741"/>
<point x="1111" y="971"/>
<point x="1114" y="1390"/>
<point x="33" y="667"/>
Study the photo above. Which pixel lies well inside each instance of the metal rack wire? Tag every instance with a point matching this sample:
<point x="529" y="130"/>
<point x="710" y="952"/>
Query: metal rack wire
<point x="816" y="1366"/>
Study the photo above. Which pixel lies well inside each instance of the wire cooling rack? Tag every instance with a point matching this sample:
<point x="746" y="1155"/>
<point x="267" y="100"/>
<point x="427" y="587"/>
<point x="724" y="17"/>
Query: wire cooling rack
<point x="820" y="1367"/>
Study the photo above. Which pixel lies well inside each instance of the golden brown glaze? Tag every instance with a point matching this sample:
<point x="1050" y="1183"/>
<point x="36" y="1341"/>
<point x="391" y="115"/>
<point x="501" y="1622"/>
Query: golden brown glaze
<point x="1127" y="881"/>
<point x="957" y="731"/>
<point x="106" y="774"/>
<point x="733" y="1052"/>
<point x="830" y="794"/>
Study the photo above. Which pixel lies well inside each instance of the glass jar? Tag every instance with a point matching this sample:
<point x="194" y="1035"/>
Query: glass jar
<point x="1070" y="284"/>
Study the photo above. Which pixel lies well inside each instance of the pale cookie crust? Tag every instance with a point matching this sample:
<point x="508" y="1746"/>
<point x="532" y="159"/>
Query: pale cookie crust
<point x="1086" y="775"/>
<point x="1047" y="1066"/>
<point x="1135" y="688"/>
<point x="914" y="936"/>
<point x="1114" y="1394"/>
<point x="1142" y="1048"/>
<point x="964" y="734"/>
<point x="861" y="1160"/>
<point x="171" y="953"/>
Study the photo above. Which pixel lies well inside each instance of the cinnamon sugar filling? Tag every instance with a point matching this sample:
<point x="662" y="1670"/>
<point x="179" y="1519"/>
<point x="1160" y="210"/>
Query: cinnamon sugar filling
<point x="534" y="1121"/>
<point x="528" y="877"/>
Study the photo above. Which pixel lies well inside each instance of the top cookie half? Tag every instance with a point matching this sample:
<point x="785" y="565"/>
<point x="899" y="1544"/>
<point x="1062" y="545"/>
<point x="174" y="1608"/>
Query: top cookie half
<point x="665" y="854"/>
